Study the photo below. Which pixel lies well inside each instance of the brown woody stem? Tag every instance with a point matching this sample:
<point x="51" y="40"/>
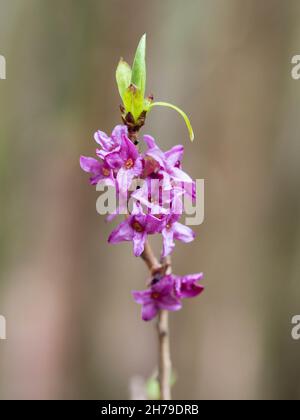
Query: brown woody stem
<point x="164" y="366"/>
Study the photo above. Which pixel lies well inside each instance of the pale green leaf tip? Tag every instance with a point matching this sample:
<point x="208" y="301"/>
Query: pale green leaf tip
<point x="138" y="76"/>
<point x="142" y="43"/>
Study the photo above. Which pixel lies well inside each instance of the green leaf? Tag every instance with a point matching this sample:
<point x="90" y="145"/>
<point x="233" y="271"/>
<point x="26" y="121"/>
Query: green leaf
<point x="133" y="101"/>
<point x="183" y="114"/>
<point x="123" y="77"/>
<point x="138" y="77"/>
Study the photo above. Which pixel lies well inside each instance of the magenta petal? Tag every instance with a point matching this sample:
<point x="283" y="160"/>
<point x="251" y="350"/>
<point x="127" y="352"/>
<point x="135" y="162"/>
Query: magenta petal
<point x="110" y="143"/>
<point x="102" y="139"/>
<point x="183" y="233"/>
<point x="118" y="132"/>
<point x="121" y="233"/>
<point x="188" y="286"/>
<point x="139" y="240"/>
<point x="149" y="140"/>
<point x="95" y="179"/>
<point x="157" y="155"/>
<point x="180" y="175"/>
<point x="175" y="155"/>
<point x="149" y="311"/>
<point x="142" y="297"/>
<point x="101" y="153"/>
<point x="90" y="165"/>
<point x="170" y="303"/>
<point x="153" y="224"/>
<point x="114" y="160"/>
<point x="193" y="277"/>
<point x="168" y="242"/>
<point x="131" y="149"/>
<point x="138" y="167"/>
<point x="165" y="286"/>
<point x="190" y="291"/>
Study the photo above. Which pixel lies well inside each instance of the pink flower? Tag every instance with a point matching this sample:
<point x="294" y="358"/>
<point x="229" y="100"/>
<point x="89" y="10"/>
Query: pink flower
<point x="159" y="296"/>
<point x="99" y="170"/>
<point x="166" y="293"/>
<point x="188" y="286"/>
<point x="110" y="144"/>
<point x="136" y="228"/>
<point x="169" y="161"/>
<point x="166" y="182"/>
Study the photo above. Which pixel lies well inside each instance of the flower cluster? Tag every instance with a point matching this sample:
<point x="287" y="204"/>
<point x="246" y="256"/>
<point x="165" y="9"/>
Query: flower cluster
<point x="154" y="184"/>
<point x="167" y="293"/>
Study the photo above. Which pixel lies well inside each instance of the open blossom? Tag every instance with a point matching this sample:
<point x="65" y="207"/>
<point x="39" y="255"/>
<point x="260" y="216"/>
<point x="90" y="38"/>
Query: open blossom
<point x="98" y="169"/>
<point x="166" y="183"/>
<point x="167" y="293"/>
<point x="188" y="286"/>
<point x="110" y="144"/>
<point x="169" y="161"/>
<point x="118" y="155"/>
<point x="136" y="228"/>
<point x="159" y="296"/>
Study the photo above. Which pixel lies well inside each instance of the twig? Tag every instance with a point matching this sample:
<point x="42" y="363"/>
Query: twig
<point x="151" y="260"/>
<point x="164" y="369"/>
<point x="164" y="373"/>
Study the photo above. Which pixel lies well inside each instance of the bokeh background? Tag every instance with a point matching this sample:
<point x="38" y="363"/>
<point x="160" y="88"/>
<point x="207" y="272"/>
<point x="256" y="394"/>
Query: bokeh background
<point x="73" y="329"/>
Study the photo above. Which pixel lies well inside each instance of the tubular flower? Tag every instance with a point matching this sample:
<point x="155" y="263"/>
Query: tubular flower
<point x="166" y="293"/>
<point x="136" y="228"/>
<point x="159" y="296"/>
<point x="99" y="170"/>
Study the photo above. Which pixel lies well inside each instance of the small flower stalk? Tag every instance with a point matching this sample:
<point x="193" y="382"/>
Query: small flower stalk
<point x="152" y="185"/>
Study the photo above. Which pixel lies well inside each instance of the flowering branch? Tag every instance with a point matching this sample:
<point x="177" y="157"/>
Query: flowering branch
<point x="155" y="207"/>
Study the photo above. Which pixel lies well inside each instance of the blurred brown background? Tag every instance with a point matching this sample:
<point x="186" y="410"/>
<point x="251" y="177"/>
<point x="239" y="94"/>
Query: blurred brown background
<point x="73" y="328"/>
